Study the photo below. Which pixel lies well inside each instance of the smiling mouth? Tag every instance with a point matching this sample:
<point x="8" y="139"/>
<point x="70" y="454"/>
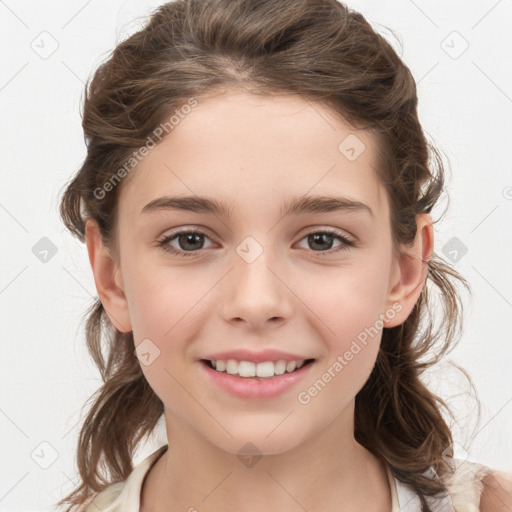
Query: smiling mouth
<point x="248" y="369"/>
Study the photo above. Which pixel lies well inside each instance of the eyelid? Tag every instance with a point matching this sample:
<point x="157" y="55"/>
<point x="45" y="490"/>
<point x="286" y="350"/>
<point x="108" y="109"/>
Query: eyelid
<point x="201" y="230"/>
<point x="318" y="228"/>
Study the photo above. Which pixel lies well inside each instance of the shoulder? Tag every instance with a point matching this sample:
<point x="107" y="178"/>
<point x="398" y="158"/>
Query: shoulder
<point x="474" y="487"/>
<point x="124" y="496"/>
<point x="105" y="498"/>
<point x="496" y="493"/>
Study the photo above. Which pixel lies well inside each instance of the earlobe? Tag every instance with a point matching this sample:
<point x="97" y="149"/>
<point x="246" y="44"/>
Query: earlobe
<point x="412" y="270"/>
<point x="108" y="278"/>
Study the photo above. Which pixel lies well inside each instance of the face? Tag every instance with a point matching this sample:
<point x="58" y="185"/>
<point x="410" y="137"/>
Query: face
<point x="252" y="282"/>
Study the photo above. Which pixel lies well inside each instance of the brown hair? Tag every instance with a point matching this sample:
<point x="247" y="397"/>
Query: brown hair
<point x="326" y="53"/>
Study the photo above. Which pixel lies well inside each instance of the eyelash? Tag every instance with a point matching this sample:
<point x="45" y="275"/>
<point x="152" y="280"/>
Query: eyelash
<point x="164" y="242"/>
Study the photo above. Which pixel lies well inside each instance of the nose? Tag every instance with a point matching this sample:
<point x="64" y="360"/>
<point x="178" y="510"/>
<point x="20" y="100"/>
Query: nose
<point x="256" y="293"/>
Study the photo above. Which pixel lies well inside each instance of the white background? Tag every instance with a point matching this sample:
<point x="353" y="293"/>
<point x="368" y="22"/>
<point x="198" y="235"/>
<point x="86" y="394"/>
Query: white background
<point x="465" y="105"/>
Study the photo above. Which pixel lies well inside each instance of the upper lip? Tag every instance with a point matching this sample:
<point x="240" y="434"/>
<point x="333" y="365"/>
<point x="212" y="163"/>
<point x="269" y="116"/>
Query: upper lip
<point x="255" y="356"/>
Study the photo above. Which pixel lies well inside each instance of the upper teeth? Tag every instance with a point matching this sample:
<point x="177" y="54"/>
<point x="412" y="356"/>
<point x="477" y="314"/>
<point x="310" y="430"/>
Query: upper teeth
<point x="250" y="369"/>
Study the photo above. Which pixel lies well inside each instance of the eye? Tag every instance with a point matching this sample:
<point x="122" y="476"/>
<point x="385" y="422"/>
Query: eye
<point x="323" y="240"/>
<point x="189" y="242"/>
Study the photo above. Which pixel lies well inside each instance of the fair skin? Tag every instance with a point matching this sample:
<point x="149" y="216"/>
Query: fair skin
<point x="254" y="154"/>
<point x="497" y="493"/>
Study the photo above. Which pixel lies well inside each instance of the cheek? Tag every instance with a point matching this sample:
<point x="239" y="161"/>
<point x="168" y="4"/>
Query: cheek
<point x="162" y="303"/>
<point x="168" y="309"/>
<point x="350" y="322"/>
<point x="334" y="386"/>
<point x="347" y="303"/>
<point x="348" y="317"/>
<point x="352" y="345"/>
<point x="164" y="321"/>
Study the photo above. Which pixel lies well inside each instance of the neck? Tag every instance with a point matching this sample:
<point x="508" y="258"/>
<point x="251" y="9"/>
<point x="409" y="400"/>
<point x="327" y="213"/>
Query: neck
<point x="329" y="471"/>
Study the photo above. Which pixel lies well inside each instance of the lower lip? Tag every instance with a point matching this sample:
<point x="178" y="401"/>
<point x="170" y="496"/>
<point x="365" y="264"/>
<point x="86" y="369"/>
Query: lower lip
<point x="256" y="388"/>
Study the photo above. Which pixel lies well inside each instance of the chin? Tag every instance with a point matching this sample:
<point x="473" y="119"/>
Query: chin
<point x="270" y="437"/>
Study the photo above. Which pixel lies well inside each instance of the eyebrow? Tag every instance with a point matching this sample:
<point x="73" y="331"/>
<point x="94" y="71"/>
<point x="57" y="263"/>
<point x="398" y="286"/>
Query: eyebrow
<point x="298" y="205"/>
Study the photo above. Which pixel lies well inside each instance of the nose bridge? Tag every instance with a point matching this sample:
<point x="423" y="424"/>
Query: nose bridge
<point x="256" y="293"/>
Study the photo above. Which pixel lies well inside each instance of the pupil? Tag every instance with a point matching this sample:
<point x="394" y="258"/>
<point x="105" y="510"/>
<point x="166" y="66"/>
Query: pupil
<point x="314" y="239"/>
<point x="190" y="237"/>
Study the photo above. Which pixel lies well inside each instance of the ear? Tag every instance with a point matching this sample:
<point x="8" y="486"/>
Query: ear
<point x="410" y="272"/>
<point x="108" y="278"/>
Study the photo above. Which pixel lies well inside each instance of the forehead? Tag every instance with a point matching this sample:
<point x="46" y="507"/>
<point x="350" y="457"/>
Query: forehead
<point x="252" y="150"/>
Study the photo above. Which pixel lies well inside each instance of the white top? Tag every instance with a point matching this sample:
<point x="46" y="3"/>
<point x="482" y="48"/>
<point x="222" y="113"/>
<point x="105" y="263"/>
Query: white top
<point x="464" y="490"/>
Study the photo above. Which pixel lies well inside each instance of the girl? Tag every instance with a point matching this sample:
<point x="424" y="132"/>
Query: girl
<point x="256" y="204"/>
